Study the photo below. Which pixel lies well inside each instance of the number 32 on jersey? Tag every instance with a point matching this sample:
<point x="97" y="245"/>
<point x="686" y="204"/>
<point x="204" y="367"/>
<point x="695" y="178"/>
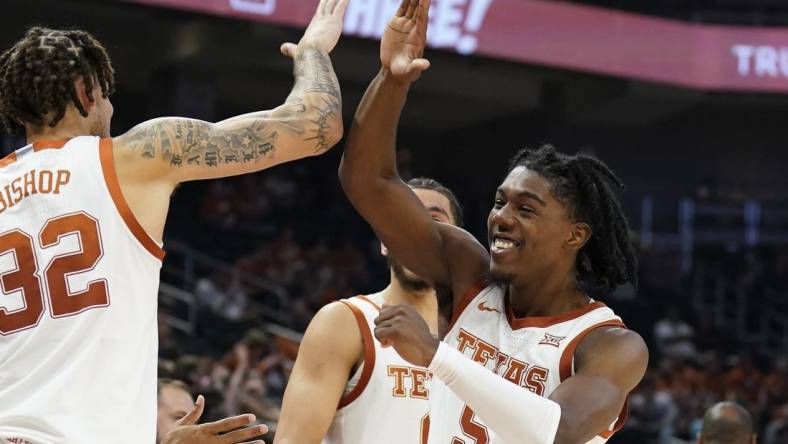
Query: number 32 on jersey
<point x="50" y="282"/>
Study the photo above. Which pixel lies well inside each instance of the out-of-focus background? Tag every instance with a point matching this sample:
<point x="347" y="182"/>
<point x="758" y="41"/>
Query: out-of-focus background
<point x="686" y="99"/>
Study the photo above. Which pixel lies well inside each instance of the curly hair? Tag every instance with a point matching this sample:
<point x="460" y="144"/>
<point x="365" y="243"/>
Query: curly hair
<point x="37" y="76"/>
<point x="584" y="184"/>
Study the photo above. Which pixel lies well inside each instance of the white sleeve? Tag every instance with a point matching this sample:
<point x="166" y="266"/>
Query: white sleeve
<point x="512" y="412"/>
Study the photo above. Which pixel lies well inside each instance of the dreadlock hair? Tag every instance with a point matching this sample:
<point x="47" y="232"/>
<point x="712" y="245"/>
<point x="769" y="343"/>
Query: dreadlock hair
<point x="424" y="183"/>
<point x="37" y="76"/>
<point x="584" y="184"/>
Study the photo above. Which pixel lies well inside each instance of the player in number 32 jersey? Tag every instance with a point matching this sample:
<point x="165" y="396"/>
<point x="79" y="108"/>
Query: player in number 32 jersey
<point x="80" y="280"/>
<point x="81" y="224"/>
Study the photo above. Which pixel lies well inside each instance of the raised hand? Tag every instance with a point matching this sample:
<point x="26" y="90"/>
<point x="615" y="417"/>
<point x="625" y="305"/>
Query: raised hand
<point x="236" y="429"/>
<point x="323" y="31"/>
<point x="401" y="327"/>
<point x="402" y="46"/>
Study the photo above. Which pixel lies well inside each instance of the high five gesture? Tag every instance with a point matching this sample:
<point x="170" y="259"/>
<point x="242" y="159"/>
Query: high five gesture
<point x="402" y="46"/>
<point x="323" y="31"/>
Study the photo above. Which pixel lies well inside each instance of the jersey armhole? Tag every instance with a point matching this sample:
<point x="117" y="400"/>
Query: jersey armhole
<point x="566" y="368"/>
<point x="369" y="356"/>
<point x="113" y="185"/>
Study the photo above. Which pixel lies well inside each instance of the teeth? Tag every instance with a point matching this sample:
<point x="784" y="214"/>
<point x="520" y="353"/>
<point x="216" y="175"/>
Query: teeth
<point x="503" y="243"/>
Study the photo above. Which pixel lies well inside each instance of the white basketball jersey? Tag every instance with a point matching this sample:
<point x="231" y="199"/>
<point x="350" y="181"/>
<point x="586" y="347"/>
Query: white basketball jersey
<point x="78" y="294"/>
<point x="385" y="401"/>
<point x="535" y="353"/>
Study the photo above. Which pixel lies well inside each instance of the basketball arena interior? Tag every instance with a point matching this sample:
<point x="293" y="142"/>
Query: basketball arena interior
<point x="686" y="100"/>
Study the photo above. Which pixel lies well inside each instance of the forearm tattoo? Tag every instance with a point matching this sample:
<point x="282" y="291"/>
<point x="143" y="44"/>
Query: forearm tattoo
<point x="310" y="112"/>
<point x="314" y="73"/>
<point x="315" y="76"/>
<point x="183" y="142"/>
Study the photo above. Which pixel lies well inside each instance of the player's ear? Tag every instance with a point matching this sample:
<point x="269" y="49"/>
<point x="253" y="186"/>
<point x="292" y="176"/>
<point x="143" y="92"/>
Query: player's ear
<point x="82" y="94"/>
<point x="578" y="235"/>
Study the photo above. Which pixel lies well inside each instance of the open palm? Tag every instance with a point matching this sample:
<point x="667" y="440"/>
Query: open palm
<point x="402" y="46"/>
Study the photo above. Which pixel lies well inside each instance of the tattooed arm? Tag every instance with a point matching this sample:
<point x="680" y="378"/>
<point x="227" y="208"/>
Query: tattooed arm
<point x="308" y="123"/>
<point x="155" y="156"/>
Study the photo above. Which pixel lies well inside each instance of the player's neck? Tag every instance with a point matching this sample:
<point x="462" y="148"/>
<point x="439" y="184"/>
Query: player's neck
<point x="68" y="127"/>
<point x="425" y="302"/>
<point x="545" y="297"/>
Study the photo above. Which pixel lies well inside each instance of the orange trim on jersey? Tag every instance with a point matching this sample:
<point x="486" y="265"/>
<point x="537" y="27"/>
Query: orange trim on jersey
<point x="465" y="300"/>
<point x="111" y="178"/>
<point x="565" y="364"/>
<point x="565" y="369"/>
<point x="369" y="357"/>
<point x="8" y="160"/>
<point x="49" y="144"/>
<point x="425" y="429"/>
<point x="369" y="301"/>
<point x="546" y="321"/>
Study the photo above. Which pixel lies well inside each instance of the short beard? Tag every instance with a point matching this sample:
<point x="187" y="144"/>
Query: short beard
<point x="409" y="283"/>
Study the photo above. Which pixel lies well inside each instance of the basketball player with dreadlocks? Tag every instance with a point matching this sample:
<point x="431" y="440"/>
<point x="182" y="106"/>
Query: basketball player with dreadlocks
<point x="530" y="357"/>
<point x="82" y="217"/>
<point x="342" y="373"/>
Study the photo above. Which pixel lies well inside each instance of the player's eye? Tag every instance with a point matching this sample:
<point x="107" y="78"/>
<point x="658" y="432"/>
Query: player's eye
<point x="527" y="211"/>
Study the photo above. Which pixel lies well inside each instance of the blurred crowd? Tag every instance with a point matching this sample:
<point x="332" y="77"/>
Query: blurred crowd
<point x="669" y="404"/>
<point x="250" y="377"/>
<point x="281" y="228"/>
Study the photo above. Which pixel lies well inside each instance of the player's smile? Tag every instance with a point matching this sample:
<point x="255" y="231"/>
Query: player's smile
<point x="518" y="204"/>
<point x="503" y="246"/>
<point x="506" y="240"/>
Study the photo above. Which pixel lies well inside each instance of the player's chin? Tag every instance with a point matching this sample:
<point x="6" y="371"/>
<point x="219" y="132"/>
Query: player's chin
<point x="409" y="280"/>
<point x="501" y="273"/>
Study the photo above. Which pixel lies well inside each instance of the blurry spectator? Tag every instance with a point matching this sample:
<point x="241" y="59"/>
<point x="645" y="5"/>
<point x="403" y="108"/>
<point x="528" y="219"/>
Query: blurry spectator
<point x="727" y="423"/>
<point x="222" y="293"/>
<point x="175" y="402"/>
<point x="178" y="416"/>
<point x="653" y="411"/>
<point x="248" y="389"/>
<point x="674" y="337"/>
<point x="777" y="430"/>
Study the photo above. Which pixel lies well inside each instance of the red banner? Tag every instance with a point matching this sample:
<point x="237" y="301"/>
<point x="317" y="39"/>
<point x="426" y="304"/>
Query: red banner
<point x="562" y="35"/>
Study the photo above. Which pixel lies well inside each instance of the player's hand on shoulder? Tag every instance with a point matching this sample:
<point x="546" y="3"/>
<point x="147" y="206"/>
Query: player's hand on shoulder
<point x="324" y="30"/>
<point x="236" y="429"/>
<point x="403" y="42"/>
<point x="401" y="327"/>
